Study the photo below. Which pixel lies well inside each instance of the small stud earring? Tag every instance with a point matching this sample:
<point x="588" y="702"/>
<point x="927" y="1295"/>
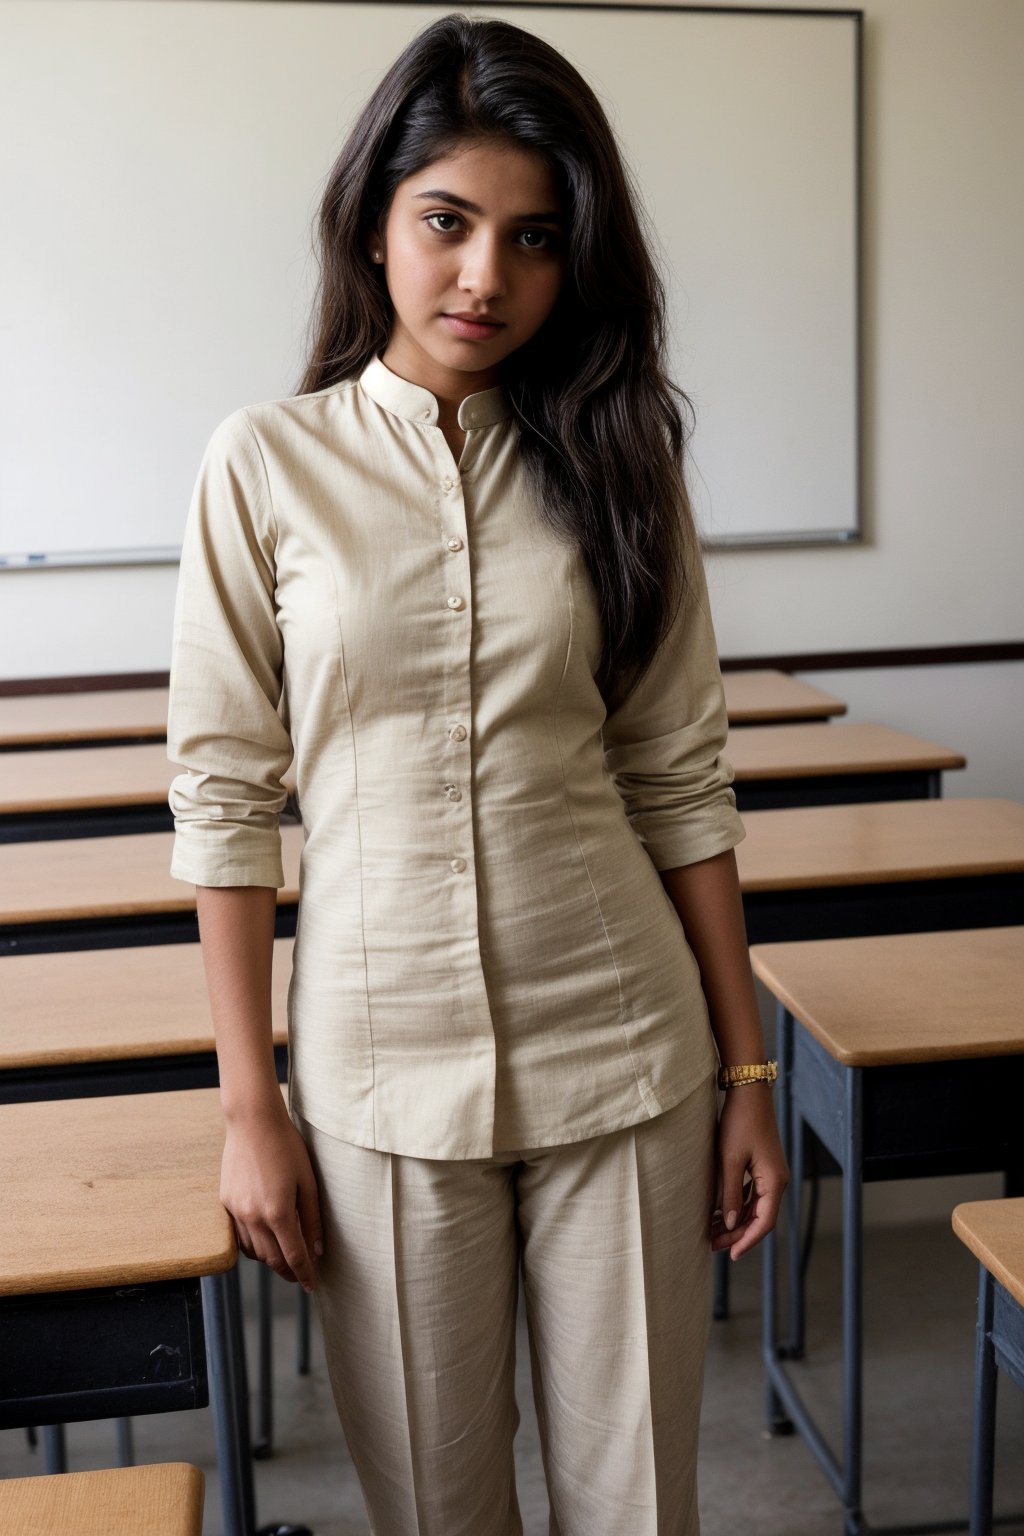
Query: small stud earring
<point x="376" y="255"/>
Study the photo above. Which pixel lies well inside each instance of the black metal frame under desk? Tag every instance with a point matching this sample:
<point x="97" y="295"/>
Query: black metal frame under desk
<point x="88" y="821"/>
<point x="877" y="1122"/>
<point x="1000" y="1345"/>
<point x="848" y="788"/>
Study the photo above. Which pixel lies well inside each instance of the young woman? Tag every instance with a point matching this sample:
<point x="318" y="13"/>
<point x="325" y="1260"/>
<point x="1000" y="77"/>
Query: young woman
<point x="456" y="576"/>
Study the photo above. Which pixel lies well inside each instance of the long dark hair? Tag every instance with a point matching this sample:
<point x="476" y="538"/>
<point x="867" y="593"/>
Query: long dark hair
<point x="600" y="423"/>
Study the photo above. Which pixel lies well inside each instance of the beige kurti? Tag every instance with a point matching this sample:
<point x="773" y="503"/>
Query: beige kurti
<point x="485" y="956"/>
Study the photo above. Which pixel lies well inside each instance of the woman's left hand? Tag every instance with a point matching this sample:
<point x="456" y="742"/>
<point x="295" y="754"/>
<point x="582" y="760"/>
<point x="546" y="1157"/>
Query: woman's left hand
<point x="748" y="1146"/>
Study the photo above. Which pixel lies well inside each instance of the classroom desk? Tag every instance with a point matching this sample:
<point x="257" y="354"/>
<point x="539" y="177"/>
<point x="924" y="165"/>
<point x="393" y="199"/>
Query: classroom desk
<point x="68" y="1031"/>
<point x="994" y="1232"/>
<point x="140" y="714"/>
<point x="791" y="765"/>
<point x="840" y="871"/>
<point x="905" y="1057"/>
<point x="98" y="791"/>
<point x="890" y="867"/>
<point x="90" y="792"/>
<point x="88" y="893"/>
<point x="118" y="1263"/>
<point x="61" y="1036"/>
<point x="121" y="715"/>
<point x="85" y="792"/>
<point x="764" y="697"/>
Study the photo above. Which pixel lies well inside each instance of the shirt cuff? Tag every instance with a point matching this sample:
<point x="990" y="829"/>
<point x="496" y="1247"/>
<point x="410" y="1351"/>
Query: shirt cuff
<point x="697" y="835"/>
<point x="220" y="856"/>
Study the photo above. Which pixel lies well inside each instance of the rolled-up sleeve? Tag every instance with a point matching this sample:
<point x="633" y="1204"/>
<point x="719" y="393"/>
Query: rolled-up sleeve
<point x="663" y="745"/>
<point x="225" y="727"/>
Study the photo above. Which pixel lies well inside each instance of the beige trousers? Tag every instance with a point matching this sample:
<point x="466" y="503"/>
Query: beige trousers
<point x="418" y="1291"/>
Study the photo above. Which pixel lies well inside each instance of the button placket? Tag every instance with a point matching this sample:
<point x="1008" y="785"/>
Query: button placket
<point x="456" y="785"/>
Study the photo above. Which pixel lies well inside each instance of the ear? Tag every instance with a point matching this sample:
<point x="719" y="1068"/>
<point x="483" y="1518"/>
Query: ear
<point x="375" y="247"/>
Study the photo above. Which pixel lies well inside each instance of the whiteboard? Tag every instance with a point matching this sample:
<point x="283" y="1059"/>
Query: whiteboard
<point x="162" y="164"/>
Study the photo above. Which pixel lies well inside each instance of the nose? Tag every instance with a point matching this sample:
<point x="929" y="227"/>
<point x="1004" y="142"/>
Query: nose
<point x="483" y="271"/>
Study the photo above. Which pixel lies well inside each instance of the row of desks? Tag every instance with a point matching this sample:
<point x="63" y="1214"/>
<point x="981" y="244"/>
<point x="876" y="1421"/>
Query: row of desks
<point x="816" y="872"/>
<point x="95" y="791"/>
<point x="140" y="714"/>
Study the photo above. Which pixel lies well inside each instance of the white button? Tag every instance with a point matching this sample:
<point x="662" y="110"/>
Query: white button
<point x="447" y="482"/>
<point x="454" y="544"/>
<point x="452" y="792"/>
<point x="458" y="865"/>
<point x="455" y="602"/>
<point x="457" y="733"/>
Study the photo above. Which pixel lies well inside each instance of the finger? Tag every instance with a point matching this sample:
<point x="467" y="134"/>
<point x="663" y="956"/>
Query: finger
<point x="243" y="1238"/>
<point x="296" y="1254"/>
<point x="268" y="1250"/>
<point x="761" y="1223"/>
<point x="722" y="1237"/>
<point x="733" y="1169"/>
<point x="726" y="1237"/>
<point x="309" y="1214"/>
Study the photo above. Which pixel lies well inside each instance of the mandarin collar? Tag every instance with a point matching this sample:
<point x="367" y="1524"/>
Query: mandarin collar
<point x="416" y="403"/>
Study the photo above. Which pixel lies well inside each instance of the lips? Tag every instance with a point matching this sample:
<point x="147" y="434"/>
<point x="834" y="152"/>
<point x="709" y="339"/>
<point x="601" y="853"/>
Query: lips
<point x="472" y="330"/>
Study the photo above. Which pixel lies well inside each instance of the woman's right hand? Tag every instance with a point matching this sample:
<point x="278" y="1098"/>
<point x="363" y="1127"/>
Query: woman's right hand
<point x="268" y="1186"/>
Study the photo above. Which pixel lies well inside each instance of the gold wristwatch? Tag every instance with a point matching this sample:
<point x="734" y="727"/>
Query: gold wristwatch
<point x="758" y="1072"/>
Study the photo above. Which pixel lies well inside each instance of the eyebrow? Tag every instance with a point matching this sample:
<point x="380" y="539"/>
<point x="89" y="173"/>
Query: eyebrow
<point x="439" y="195"/>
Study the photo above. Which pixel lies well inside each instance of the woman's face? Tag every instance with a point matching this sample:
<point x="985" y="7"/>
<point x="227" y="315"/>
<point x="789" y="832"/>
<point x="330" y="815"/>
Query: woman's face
<point x="475" y="233"/>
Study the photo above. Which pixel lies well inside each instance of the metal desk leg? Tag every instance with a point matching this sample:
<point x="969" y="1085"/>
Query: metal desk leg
<point x="55" y="1447"/>
<point x="794" y="1346"/>
<point x="797" y="1310"/>
<point x="984" y="1430"/>
<point x="125" y="1443"/>
<point x="853" y="1305"/>
<point x="263" y="1443"/>
<point x="302" y="1335"/>
<point x="777" y="1420"/>
<point x="229" y="1400"/>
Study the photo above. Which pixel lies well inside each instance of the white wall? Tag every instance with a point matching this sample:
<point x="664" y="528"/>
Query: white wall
<point x="944" y="396"/>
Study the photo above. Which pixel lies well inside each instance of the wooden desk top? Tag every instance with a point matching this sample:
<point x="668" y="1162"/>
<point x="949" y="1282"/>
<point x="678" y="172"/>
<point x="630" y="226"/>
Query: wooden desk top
<point x="112" y="1191"/>
<point x="32" y="719"/>
<point x="823" y="749"/>
<point x="994" y="1232"/>
<point x="162" y="1500"/>
<point x="767" y="695"/>
<point x="903" y="997"/>
<point x="891" y="840"/>
<point x="115" y="1004"/>
<point x="88" y="877"/>
<point x="84" y="778"/>
<point x="81" y="778"/>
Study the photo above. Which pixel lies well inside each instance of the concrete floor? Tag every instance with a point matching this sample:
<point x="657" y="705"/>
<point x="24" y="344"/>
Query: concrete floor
<point x="919" y="1318"/>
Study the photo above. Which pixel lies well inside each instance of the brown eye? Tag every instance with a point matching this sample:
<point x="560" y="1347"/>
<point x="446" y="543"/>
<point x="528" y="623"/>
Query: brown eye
<point x="550" y="240"/>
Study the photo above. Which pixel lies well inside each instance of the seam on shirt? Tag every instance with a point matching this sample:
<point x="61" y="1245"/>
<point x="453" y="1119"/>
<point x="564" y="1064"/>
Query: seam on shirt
<point x="572" y="822"/>
<point x="359" y="836"/>
<point x="266" y="477"/>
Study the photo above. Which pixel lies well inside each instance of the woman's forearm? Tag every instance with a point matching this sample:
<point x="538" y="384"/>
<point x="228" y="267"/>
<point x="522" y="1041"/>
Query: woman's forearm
<point x="236" y="929"/>
<point x="707" y="897"/>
